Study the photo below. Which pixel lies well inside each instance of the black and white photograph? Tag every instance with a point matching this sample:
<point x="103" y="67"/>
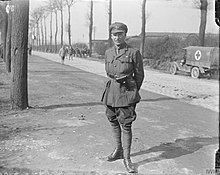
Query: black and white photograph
<point x="109" y="87"/>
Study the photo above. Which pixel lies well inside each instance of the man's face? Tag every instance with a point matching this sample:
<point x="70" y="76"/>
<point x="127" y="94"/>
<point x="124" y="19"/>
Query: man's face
<point x="118" y="38"/>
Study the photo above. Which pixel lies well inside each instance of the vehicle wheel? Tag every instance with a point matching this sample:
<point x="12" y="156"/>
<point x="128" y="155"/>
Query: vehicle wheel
<point x="173" y="69"/>
<point x="195" y="72"/>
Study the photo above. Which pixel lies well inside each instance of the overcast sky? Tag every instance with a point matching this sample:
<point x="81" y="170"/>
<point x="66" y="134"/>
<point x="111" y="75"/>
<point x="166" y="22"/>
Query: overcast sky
<point x="163" y="16"/>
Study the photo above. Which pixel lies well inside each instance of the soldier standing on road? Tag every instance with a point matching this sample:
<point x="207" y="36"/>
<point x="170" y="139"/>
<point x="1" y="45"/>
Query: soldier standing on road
<point x="62" y="53"/>
<point x="124" y="67"/>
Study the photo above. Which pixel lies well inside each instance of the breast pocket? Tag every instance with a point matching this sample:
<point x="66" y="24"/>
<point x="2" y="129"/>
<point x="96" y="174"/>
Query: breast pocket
<point x="108" y="64"/>
<point x="126" y="65"/>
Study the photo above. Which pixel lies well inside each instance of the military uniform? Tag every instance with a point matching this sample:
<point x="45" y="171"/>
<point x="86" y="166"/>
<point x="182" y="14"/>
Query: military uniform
<point x="124" y="67"/>
<point x="127" y="63"/>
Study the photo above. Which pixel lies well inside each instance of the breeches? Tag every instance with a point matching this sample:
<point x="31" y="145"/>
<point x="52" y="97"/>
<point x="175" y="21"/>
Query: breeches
<point x="124" y="115"/>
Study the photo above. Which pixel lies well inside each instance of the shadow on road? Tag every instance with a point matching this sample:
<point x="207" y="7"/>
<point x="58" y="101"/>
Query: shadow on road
<point x="176" y="149"/>
<point x="159" y="99"/>
<point x="71" y="105"/>
<point x="96" y="103"/>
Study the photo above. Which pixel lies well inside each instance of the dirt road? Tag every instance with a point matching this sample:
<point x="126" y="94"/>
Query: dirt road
<point x="202" y="92"/>
<point x="66" y="131"/>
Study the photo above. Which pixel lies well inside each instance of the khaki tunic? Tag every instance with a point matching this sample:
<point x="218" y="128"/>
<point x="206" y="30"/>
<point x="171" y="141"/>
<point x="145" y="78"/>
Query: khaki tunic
<point x="128" y="62"/>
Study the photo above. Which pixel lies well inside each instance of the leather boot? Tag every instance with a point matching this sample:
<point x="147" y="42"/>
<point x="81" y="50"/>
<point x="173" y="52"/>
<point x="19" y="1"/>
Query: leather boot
<point x="115" y="155"/>
<point x="129" y="165"/>
<point x="118" y="151"/>
<point x="127" y="138"/>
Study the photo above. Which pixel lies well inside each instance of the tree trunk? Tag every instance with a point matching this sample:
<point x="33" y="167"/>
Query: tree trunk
<point x="38" y="35"/>
<point x="45" y="31"/>
<point x="4" y="31"/>
<point x="42" y="33"/>
<point x="202" y="27"/>
<point x="56" y="32"/>
<point x="109" y="21"/>
<point x="37" y="40"/>
<point x="8" y="43"/>
<point x="69" y="30"/>
<point x="90" y="28"/>
<point x="61" y="15"/>
<point x="19" y="87"/>
<point x="51" y="32"/>
<point x="143" y="27"/>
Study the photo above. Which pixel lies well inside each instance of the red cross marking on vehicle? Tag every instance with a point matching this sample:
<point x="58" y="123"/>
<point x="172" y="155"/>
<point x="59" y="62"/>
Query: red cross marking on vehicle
<point x="198" y="55"/>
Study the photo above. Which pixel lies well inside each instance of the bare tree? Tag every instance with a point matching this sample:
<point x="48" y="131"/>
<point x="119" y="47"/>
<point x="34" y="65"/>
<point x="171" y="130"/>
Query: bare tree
<point x="51" y="27"/>
<point x="56" y="30"/>
<point x="36" y="16"/>
<point x="60" y="6"/>
<point x="69" y="3"/>
<point x="2" y="11"/>
<point x="143" y="27"/>
<point x="50" y="8"/>
<point x="42" y="32"/>
<point x="8" y="39"/>
<point x="45" y="26"/>
<point x="41" y="14"/>
<point x="202" y="5"/>
<point x="90" y="27"/>
<point x="4" y="29"/>
<point x="19" y="86"/>
<point x="32" y="31"/>
<point x="109" y="20"/>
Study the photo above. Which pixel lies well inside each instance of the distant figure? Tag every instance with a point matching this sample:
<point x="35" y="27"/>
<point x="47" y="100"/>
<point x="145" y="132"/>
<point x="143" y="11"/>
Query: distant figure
<point x="74" y="52"/>
<point x="85" y="52"/>
<point x="30" y="50"/>
<point x="71" y="52"/>
<point x="82" y="52"/>
<point x="1" y="50"/>
<point x="78" y="53"/>
<point x="62" y="53"/>
<point x="67" y="51"/>
<point x="88" y="52"/>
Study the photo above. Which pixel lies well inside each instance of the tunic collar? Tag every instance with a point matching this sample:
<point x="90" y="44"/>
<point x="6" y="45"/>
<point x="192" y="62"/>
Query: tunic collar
<point x="121" y="46"/>
<point x="123" y="49"/>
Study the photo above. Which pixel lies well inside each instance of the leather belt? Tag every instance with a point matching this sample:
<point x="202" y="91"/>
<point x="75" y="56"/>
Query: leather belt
<point x="121" y="78"/>
<point x="111" y="76"/>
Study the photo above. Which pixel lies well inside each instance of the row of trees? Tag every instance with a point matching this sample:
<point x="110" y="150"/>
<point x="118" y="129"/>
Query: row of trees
<point x="15" y="39"/>
<point x="38" y="27"/>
